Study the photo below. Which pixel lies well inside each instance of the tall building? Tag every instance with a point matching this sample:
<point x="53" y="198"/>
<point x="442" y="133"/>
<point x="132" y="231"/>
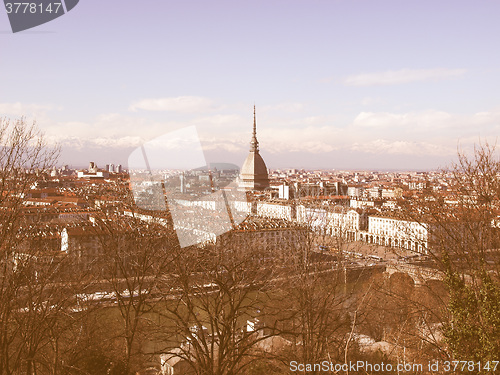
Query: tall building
<point x="253" y="174"/>
<point x="183" y="183"/>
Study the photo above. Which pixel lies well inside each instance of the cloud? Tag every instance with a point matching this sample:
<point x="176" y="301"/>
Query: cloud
<point x="274" y="140"/>
<point x="308" y="139"/>
<point x="402" y="147"/>
<point x="419" y="120"/>
<point x="424" y="133"/>
<point x="32" y="112"/>
<point x="229" y="145"/>
<point x="78" y="143"/>
<point x="396" y="77"/>
<point x="312" y="136"/>
<point x="108" y="125"/>
<point x="182" y="104"/>
<point x="429" y="123"/>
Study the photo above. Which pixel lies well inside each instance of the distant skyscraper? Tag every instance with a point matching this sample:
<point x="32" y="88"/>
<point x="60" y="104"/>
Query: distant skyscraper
<point x="183" y="183"/>
<point x="253" y="174"/>
<point x="284" y="192"/>
<point x="111" y="167"/>
<point x="118" y="168"/>
<point x="107" y="167"/>
<point x="92" y="167"/>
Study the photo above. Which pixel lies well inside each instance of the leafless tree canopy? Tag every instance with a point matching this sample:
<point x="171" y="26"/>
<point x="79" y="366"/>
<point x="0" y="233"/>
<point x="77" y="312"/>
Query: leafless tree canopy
<point x="464" y="241"/>
<point x="25" y="305"/>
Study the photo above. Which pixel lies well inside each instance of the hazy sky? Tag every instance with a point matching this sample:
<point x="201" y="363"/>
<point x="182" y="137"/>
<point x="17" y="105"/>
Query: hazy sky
<point x="338" y="84"/>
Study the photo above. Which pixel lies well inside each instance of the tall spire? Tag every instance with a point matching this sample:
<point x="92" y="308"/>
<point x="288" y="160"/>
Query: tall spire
<point x="253" y="173"/>
<point x="254" y="144"/>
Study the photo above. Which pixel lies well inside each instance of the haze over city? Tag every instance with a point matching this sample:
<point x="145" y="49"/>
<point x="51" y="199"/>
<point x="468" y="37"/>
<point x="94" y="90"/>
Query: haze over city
<point x="345" y="85"/>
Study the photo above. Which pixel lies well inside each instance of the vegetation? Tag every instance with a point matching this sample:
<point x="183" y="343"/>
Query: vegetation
<point x="464" y="240"/>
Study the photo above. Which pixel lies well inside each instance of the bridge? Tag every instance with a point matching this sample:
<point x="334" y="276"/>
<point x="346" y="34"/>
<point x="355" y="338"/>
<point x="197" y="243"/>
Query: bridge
<point x="419" y="274"/>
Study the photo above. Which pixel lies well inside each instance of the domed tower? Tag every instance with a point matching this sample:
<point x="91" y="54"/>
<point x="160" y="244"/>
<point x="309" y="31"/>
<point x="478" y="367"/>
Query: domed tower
<point x="253" y="174"/>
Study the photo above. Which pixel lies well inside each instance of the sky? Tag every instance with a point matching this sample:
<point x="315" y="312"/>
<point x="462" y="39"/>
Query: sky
<point x="360" y="84"/>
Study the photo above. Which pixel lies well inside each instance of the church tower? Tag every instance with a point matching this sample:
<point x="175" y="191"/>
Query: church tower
<point x="253" y="174"/>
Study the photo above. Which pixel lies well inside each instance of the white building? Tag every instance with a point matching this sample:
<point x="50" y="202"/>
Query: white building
<point x="284" y="191"/>
<point x="276" y="211"/>
<point x="355" y="191"/>
<point x="357" y="203"/>
<point x="394" y="232"/>
<point x="343" y="223"/>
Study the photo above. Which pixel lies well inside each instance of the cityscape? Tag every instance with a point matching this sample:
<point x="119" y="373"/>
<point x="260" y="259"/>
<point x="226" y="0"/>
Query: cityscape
<point x="249" y="187"/>
<point x="227" y="270"/>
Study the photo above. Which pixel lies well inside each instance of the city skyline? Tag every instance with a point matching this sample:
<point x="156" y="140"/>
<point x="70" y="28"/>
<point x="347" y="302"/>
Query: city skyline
<point x="371" y="85"/>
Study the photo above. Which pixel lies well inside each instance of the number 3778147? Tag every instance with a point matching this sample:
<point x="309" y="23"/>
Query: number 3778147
<point x="34" y="8"/>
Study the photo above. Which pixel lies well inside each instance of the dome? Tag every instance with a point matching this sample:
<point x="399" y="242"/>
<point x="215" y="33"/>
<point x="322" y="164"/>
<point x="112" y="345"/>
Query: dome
<point x="253" y="174"/>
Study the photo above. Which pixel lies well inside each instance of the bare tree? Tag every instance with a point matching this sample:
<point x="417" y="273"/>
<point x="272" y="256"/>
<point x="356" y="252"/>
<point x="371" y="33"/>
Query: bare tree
<point x="42" y="314"/>
<point x="215" y="314"/>
<point x="134" y="259"/>
<point x="24" y="157"/>
<point x="315" y="302"/>
<point x="463" y="238"/>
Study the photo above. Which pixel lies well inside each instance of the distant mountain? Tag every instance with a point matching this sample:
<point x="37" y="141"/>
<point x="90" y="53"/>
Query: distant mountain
<point x="219" y="167"/>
